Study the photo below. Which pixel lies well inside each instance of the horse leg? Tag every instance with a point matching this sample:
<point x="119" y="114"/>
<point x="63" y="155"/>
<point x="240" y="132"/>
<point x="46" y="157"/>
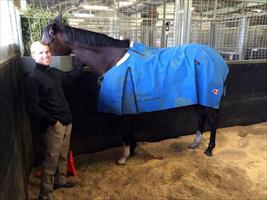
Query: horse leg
<point x="132" y="142"/>
<point x="212" y="116"/>
<point x="128" y="138"/>
<point x="128" y="129"/>
<point x="200" y="126"/>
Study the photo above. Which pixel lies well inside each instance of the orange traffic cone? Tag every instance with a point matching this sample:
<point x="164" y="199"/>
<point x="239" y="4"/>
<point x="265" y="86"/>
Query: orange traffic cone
<point x="38" y="173"/>
<point x="71" y="171"/>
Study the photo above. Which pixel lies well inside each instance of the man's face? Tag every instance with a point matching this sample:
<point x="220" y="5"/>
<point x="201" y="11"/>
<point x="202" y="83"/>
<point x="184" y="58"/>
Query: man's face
<point x="42" y="55"/>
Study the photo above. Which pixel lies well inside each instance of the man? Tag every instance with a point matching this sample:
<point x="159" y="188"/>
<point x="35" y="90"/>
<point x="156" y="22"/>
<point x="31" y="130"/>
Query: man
<point x="46" y="102"/>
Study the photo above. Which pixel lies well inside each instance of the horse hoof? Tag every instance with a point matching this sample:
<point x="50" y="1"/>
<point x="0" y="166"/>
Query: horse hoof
<point x="119" y="162"/>
<point x="193" y="146"/>
<point x="208" y="153"/>
<point x="122" y="161"/>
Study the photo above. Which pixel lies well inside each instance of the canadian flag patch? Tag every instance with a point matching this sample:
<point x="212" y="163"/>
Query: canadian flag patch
<point x="215" y="91"/>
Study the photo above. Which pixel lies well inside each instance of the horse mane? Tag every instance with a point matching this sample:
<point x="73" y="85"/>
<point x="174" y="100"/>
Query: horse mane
<point x="93" y="39"/>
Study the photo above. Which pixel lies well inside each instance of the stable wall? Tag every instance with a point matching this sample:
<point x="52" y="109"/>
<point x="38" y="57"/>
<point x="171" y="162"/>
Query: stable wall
<point x="15" y="136"/>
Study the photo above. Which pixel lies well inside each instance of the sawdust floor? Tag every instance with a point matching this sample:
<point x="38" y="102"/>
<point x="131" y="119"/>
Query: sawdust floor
<point x="168" y="170"/>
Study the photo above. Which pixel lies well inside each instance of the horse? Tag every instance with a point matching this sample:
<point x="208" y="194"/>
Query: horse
<point x="134" y="78"/>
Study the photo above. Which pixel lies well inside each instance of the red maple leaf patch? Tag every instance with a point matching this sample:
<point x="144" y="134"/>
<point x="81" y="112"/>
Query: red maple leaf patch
<point x="215" y="91"/>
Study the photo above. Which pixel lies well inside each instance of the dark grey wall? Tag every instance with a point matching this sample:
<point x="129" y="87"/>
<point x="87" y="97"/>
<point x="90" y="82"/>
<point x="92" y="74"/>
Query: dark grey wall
<point x="15" y="136"/>
<point x="245" y="103"/>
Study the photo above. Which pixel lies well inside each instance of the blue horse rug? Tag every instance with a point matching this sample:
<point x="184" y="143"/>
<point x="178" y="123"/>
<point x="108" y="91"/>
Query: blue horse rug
<point x="151" y="79"/>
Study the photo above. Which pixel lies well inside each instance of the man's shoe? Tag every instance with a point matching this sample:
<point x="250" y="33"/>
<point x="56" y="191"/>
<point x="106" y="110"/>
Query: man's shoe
<point x="66" y="185"/>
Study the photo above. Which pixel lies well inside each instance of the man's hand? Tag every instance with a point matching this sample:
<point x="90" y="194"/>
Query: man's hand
<point x="58" y="124"/>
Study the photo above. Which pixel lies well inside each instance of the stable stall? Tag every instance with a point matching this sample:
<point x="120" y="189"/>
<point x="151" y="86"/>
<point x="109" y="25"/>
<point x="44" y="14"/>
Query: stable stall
<point x="236" y="29"/>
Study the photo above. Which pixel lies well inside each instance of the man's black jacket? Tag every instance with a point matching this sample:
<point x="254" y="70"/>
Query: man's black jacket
<point x="45" y="99"/>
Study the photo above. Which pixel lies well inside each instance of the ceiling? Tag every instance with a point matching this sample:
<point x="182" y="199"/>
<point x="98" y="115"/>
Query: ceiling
<point x="129" y="7"/>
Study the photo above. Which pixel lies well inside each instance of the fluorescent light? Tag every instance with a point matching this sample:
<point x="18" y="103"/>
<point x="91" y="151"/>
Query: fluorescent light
<point x="256" y="10"/>
<point x="95" y="7"/>
<point x="85" y="15"/>
<point x="76" y="19"/>
<point x="74" y="23"/>
<point x="125" y="3"/>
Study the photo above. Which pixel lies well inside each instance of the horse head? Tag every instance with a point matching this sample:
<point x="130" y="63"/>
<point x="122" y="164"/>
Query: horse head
<point x="97" y="50"/>
<point x="53" y="37"/>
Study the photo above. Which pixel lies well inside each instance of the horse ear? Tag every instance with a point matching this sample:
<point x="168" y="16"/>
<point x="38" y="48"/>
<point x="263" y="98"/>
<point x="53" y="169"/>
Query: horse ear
<point x="58" y="18"/>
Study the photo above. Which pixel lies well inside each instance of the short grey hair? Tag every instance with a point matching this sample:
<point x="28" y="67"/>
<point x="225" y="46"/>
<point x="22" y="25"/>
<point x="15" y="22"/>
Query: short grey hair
<point x="36" y="44"/>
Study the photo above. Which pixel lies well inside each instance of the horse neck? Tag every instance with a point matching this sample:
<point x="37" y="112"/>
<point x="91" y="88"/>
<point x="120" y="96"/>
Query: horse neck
<point x="100" y="59"/>
<point x="92" y="39"/>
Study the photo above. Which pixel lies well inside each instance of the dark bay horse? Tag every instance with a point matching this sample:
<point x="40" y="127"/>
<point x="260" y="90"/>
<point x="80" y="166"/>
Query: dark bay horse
<point x="135" y="78"/>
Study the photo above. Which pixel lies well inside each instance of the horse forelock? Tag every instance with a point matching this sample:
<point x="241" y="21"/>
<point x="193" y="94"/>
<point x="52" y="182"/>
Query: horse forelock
<point x="92" y="39"/>
<point x="46" y="37"/>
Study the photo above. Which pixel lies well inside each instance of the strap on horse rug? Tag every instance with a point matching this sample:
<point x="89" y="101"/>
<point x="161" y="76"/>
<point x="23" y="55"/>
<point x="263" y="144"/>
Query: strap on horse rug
<point x="151" y="79"/>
